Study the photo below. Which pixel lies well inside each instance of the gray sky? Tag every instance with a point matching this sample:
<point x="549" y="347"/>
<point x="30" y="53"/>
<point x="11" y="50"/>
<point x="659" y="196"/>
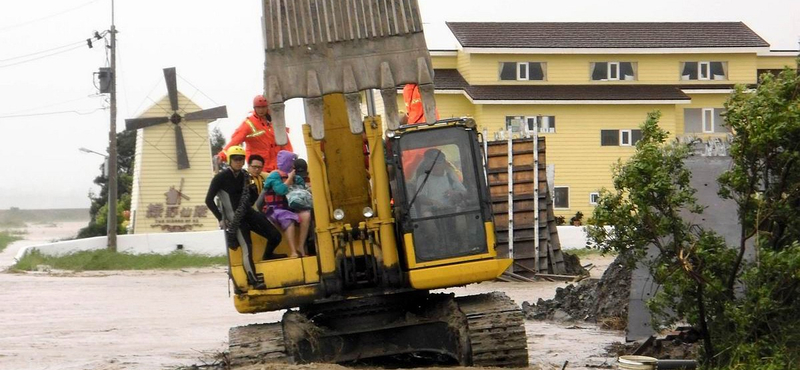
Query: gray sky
<point x="46" y="67"/>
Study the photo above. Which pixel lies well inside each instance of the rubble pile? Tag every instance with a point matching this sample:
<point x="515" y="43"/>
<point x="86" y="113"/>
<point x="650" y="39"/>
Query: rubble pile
<point x="683" y="343"/>
<point x="604" y="301"/>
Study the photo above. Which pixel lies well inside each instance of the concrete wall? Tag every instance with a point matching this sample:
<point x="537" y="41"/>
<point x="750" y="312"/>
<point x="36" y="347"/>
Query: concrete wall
<point x="210" y="243"/>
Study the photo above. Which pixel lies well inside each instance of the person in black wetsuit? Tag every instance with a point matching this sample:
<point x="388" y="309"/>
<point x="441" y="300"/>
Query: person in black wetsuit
<point x="237" y="216"/>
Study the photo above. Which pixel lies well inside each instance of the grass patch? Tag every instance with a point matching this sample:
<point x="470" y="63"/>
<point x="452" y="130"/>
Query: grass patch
<point x="584" y="252"/>
<point x="106" y="260"/>
<point x="7" y="238"/>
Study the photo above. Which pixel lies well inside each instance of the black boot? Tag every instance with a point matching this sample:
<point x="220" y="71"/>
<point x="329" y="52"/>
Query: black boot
<point x="269" y="253"/>
<point x="257" y="282"/>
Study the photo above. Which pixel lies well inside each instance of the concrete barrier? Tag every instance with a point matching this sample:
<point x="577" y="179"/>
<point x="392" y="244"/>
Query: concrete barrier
<point x="209" y="243"/>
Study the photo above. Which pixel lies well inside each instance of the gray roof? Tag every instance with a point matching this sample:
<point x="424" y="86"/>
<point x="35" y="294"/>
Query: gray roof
<point x="605" y="35"/>
<point x="450" y="79"/>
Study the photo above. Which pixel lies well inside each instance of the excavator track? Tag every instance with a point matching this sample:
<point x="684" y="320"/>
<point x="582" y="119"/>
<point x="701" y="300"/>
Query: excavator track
<point x="495" y="327"/>
<point x="257" y="343"/>
<point x="496" y="330"/>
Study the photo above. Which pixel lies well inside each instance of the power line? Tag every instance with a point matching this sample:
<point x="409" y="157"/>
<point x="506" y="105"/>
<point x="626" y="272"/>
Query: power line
<point x="41" y="57"/>
<point x="43" y="51"/>
<point x="46" y="17"/>
<point x="52" y="113"/>
<point x="48" y="106"/>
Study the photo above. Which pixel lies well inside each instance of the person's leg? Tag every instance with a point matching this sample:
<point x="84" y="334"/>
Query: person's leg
<point x="261" y="226"/>
<point x="305" y="223"/>
<point x="291" y="234"/>
<point x="247" y="255"/>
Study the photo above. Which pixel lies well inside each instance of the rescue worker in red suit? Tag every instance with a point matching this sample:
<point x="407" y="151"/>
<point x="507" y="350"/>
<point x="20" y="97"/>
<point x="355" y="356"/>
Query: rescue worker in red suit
<point x="257" y="133"/>
<point x="415" y="114"/>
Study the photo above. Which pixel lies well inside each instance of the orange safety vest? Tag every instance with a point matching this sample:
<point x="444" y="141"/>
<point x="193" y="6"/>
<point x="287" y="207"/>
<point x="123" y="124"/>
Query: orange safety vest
<point x="257" y="133"/>
<point x="413" y="102"/>
<point x="273" y="199"/>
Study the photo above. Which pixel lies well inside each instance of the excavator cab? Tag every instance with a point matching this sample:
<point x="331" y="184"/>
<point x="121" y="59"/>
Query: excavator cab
<point x="439" y="184"/>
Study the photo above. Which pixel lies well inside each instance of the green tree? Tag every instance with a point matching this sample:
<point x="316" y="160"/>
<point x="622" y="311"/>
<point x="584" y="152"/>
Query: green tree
<point x="98" y="211"/>
<point x="746" y="311"/>
<point x="217" y="141"/>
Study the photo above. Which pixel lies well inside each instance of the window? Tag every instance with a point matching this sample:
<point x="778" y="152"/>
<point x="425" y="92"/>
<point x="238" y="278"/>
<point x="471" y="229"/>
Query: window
<point x="619" y="137"/>
<point x="704" y="71"/>
<point x="515" y="123"/>
<point x="594" y="198"/>
<point x="609" y="137"/>
<point x="613" y="71"/>
<point x="523" y="71"/>
<point x="624" y="137"/>
<point x="704" y="120"/>
<point x="546" y="124"/>
<point x="561" y="197"/>
<point x="708" y="120"/>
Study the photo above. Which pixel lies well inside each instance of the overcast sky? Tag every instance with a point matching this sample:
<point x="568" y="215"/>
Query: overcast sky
<point x="49" y="105"/>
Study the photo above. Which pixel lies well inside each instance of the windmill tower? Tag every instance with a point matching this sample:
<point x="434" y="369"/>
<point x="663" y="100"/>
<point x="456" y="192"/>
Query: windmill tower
<point x="173" y="165"/>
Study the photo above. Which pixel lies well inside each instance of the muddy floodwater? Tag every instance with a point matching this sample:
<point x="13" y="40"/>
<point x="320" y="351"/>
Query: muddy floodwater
<point x="167" y="319"/>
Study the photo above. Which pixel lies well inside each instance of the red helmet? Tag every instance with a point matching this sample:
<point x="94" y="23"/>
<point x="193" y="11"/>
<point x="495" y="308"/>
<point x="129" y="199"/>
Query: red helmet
<point x="260" y="101"/>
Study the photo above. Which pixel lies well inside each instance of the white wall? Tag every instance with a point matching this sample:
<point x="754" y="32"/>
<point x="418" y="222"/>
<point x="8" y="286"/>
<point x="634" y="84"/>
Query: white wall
<point x="210" y="243"/>
<point x="572" y="237"/>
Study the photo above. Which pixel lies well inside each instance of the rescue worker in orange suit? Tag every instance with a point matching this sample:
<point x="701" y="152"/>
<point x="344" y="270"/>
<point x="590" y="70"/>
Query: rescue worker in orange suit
<point x="257" y="133"/>
<point x="415" y="114"/>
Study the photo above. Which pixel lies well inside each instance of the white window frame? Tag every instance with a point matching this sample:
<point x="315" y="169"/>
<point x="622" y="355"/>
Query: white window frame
<point x="615" y="68"/>
<point x="538" y="124"/>
<point x="705" y="122"/>
<point x="569" y="193"/>
<point x="700" y="67"/>
<point x="593" y="195"/>
<point x="522" y="67"/>
<point x="621" y="136"/>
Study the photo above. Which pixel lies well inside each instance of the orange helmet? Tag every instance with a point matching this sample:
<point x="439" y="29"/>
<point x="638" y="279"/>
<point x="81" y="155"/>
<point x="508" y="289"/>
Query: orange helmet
<point x="260" y="101"/>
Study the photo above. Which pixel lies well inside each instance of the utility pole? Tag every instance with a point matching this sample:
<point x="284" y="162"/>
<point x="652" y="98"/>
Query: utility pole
<point x="112" y="143"/>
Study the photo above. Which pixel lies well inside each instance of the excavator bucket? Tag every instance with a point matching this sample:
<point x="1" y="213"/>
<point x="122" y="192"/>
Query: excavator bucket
<point x="319" y="47"/>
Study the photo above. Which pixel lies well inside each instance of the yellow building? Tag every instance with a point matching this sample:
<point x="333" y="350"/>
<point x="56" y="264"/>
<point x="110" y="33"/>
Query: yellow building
<point x="166" y="198"/>
<point x="588" y="87"/>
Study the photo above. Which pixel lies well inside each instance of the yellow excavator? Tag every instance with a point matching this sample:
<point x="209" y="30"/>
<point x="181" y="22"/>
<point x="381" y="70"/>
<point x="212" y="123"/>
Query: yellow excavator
<point x="409" y="215"/>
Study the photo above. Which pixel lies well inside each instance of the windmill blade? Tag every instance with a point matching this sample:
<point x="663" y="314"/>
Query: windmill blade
<point x="207" y="114"/>
<point x="172" y="87"/>
<point x="180" y="145"/>
<point x="137" y="123"/>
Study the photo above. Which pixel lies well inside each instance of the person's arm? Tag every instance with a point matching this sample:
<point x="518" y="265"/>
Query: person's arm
<point x="213" y="189"/>
<point x="238" y="137"/>
<point x="274" y="182"/>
